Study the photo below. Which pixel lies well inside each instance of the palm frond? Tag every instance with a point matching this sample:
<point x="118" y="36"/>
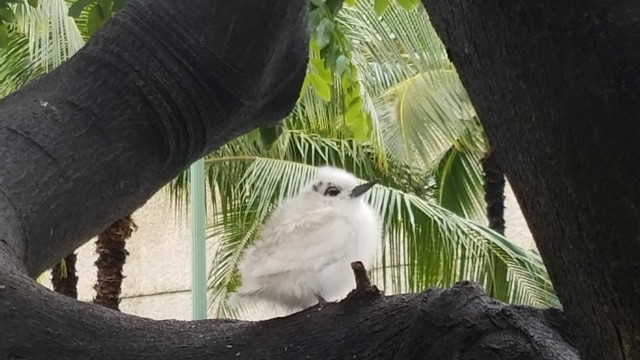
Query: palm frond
<point x="16" y="69"/>
<point x="52" y="33"/>
<point x="40" y="40"/>
<point x="422" y="116"/>
<point x="422" y="139"/>
<point x="425" y="244"/>
<point x="458" y="178"/>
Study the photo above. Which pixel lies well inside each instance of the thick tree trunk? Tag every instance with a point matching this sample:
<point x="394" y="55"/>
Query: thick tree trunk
<point x="557" y="87"/>
<point x="112" y="255"/>
<point x="64" y="278"/>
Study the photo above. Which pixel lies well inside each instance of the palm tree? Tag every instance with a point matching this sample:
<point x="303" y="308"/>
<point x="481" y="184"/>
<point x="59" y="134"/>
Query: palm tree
<point x="494" y="184"/>
<point x="382" y="100"/>
<point x="112" y="255"/>
<point x="40" y="39"/>
<point x="64" y="278"/>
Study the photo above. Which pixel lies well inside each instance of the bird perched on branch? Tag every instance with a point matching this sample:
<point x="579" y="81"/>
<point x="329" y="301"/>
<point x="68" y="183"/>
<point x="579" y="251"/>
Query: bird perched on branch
<point x="304" y="253"/>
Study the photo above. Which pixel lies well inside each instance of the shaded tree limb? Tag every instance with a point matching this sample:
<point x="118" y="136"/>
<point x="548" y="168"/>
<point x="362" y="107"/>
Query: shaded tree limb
<point x="461" y="322"/>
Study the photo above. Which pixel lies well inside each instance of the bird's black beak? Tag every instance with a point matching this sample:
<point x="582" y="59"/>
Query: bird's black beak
<point x="361" y="189"/>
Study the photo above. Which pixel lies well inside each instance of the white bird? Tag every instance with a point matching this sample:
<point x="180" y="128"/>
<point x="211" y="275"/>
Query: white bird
<point x="306" y="247"/>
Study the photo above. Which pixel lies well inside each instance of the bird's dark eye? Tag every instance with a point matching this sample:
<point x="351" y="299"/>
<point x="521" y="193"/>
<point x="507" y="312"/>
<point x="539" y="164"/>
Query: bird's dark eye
<point x="332" y="191"/>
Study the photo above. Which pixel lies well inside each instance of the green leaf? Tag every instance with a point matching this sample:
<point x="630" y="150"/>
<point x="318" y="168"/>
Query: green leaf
<point x="342" y="63"/>
<point x="380" y="6"/>
<point x="361" y="128"/>
<point x="4" y="36"/>
<point x="323" y="32"/>
<point x="459" y="181"/>
<point x="354" y="110"/>
<point x="330" y="54"/>
<point x="95" y="20"/>
<point x="7" y="15"/>
<point x="350" y="2"/>
<point x="334" y="5"/>
<point x="321" y="86"/>
<point x="408" y="4"/>
<point x="33" y="3"/>
<point x="254" y="135"/>
<point x="76" y="9"/>
<point x="325" y="73"/>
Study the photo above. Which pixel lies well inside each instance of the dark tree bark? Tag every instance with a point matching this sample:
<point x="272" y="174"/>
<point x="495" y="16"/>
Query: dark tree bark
<point x="112" y="255"/>
<point x="494" y="183"/>
<point x="64" y="278"/>
<point x="557" y="87"/>
<point x="159" y="86"/>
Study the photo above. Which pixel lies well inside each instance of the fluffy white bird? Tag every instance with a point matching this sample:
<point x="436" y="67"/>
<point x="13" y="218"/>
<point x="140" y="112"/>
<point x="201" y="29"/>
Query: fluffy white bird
<point x="306" y="247"/>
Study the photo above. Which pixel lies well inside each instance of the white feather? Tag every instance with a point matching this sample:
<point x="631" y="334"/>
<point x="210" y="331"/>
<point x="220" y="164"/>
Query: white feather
<point x="307" y="245"/>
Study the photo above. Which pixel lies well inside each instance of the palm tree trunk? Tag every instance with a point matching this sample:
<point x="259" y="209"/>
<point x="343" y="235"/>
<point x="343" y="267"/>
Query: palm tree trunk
<point x="110" y="248"/>
<point x="494" y="184"/>
<point x="63" y="277"/>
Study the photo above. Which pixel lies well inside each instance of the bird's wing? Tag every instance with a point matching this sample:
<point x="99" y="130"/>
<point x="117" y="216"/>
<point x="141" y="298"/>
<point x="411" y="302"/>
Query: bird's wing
<point x="323" y="238"/>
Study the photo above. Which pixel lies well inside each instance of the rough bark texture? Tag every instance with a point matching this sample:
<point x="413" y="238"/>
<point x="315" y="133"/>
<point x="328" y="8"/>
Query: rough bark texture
<point x="64" y="278"/>
<point x="494" y="183"/>
<point x="162" y="84"/>
<point x="112" y="255"/>
<point x="458" y="323"/>
<point x="556" y="85"/>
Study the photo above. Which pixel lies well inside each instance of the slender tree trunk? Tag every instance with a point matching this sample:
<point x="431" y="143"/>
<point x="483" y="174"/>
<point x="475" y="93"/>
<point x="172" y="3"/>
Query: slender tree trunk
<point x="64" y="278"/>
<point x="494" y="183"/>
<point x="112" y="255"/>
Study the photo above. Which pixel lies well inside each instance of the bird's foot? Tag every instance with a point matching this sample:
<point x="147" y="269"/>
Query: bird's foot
<point x="321" y="300"/>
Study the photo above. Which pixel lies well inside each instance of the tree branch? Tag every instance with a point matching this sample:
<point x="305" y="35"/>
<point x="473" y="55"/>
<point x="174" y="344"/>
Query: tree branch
<point x="460" y="322"/>
<point x="162" y="84"/>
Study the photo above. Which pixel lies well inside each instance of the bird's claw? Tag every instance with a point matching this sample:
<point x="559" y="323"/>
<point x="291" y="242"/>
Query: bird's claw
<point x="321" y="300"/>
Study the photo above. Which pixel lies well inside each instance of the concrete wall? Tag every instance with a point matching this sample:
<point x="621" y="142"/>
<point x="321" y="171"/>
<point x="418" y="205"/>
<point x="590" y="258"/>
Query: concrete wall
<point x="158" y="268"/>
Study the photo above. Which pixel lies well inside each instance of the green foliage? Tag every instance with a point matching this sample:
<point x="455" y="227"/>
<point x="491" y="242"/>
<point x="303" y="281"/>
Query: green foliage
<point x="4" y="36"/>
<point x="381" y="100"/>
<point x="40" y="39"/>
<point x="7" y="16"/>
<point x="97" y="12"/>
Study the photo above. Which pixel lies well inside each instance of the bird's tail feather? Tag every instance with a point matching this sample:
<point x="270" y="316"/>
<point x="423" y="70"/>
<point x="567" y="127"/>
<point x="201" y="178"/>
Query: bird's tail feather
<point x="242" y="295"/>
